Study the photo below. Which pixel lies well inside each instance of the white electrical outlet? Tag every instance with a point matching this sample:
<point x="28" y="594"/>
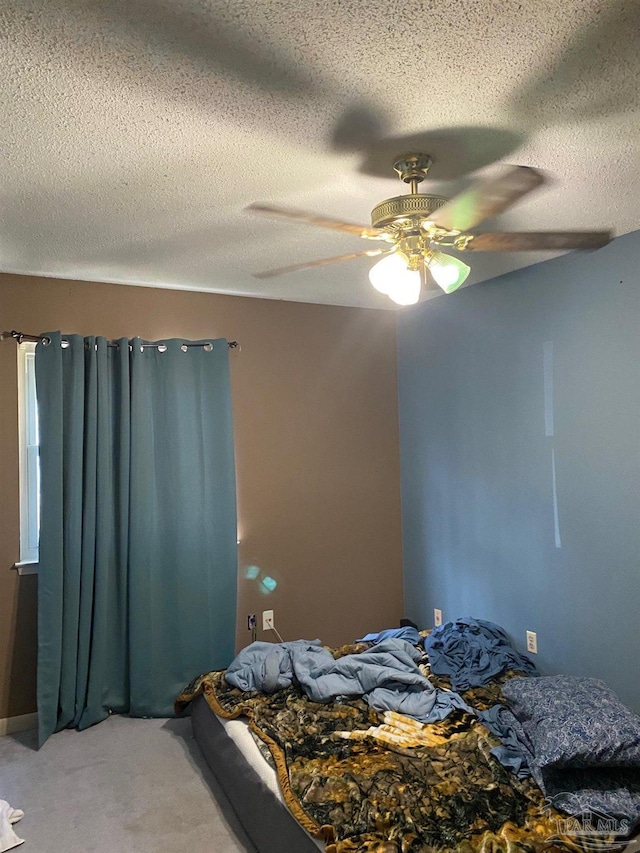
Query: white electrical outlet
<point x="532" y="642"/>
<point x="437" y="617"/>
<point x="267" y="620"/>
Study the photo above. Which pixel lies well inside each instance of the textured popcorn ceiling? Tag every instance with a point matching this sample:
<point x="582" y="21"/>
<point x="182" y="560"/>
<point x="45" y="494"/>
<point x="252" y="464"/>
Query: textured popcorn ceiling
<point x="133" y="134"/>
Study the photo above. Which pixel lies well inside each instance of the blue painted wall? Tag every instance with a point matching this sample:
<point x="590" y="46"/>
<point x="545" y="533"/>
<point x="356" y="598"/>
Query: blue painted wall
<point x="480" y="536"/>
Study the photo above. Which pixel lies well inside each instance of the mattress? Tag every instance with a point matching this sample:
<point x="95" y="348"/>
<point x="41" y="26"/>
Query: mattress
<point x="249" y="782"/>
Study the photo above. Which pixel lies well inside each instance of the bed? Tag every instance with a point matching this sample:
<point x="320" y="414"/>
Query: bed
<point x="304" y="775"/>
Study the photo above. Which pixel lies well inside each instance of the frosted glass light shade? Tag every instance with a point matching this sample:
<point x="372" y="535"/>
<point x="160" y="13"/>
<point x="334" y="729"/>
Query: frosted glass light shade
<point x="448" y="272"/>
<point x="392" y="277"/>
<point x="383" y="273"/>
<point x="406" y="288"/>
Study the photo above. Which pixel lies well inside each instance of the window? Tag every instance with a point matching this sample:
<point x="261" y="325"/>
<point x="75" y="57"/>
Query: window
<point x="29" y="457"/>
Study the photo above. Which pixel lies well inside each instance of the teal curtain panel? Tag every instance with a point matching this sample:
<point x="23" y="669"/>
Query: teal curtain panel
<point x="138" y="554"/>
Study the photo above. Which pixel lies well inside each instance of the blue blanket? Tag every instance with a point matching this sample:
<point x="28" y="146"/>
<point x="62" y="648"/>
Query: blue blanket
<point x="472" y="652"/>
<point x="501" y="722"/>
<point x="269" y="666"/>
<point x="411" y="635"/>
<point x="387" y="676"/>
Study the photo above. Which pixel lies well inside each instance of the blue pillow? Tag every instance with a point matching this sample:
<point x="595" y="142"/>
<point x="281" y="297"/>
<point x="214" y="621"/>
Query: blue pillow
<point x="572" y="722"/>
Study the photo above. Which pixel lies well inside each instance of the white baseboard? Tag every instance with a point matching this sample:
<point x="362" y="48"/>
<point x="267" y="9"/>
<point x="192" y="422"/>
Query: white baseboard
<point x="12" y="725"/>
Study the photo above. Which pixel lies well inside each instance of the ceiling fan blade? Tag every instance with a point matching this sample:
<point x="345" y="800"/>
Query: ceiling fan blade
<point x="322" y="262"/>
<point x="487" y="198"/>
<point x="305" y="218"/>
<point x="531" y="241"/>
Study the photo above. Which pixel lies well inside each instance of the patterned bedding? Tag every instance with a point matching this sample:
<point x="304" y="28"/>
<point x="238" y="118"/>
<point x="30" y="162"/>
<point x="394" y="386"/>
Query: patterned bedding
<point x="437" y="789"/>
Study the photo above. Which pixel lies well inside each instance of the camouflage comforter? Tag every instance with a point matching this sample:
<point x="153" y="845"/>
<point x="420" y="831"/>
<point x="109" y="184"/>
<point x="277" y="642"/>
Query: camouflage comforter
<point x="447" y="793"/>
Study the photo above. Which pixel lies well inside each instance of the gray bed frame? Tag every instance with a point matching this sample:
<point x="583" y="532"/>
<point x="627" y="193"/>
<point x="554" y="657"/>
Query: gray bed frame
<point x="267" y="821"/>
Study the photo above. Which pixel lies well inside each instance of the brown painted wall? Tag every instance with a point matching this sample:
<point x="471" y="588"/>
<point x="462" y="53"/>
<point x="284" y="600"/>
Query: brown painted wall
<point x="316" y="432"/>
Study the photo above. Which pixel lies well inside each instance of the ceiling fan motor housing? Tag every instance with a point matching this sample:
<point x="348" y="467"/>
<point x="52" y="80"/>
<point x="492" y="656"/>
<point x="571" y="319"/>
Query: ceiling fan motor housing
<point x="403" y="210"/>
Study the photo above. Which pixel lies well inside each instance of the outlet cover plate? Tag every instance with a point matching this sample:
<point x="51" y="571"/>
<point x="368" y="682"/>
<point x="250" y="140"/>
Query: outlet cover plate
<point x="267" y="620"/>
<point x="532" y="642"/>
<point x="437" y="617"/>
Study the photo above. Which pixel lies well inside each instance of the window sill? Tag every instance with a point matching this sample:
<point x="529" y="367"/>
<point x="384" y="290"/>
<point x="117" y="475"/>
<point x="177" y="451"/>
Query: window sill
<point x="27" y="567"/>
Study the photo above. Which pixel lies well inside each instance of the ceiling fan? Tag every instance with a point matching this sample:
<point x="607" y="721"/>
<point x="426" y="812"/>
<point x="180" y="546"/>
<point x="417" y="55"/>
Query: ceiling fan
<point x="416" y="227"/>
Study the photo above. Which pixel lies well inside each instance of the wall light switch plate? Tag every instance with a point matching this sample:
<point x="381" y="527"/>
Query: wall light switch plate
<point x="532" y="642"/>
<point x="437" y="617"/>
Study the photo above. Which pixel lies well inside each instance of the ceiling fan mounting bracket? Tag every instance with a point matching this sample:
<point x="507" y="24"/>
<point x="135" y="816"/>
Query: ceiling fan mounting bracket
<point x="413" y="167"/>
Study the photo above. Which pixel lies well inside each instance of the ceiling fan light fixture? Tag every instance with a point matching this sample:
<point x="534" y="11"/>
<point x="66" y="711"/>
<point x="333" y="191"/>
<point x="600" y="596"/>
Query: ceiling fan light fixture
<point x="448" y="272"/>
<point x="417" y="224"/>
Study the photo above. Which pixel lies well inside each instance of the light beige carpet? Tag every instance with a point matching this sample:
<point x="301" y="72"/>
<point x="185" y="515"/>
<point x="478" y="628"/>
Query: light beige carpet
<point x="123" y="786"/>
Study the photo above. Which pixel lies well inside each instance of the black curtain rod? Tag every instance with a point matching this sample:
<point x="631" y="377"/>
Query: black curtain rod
<point x="19" y="337"/>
